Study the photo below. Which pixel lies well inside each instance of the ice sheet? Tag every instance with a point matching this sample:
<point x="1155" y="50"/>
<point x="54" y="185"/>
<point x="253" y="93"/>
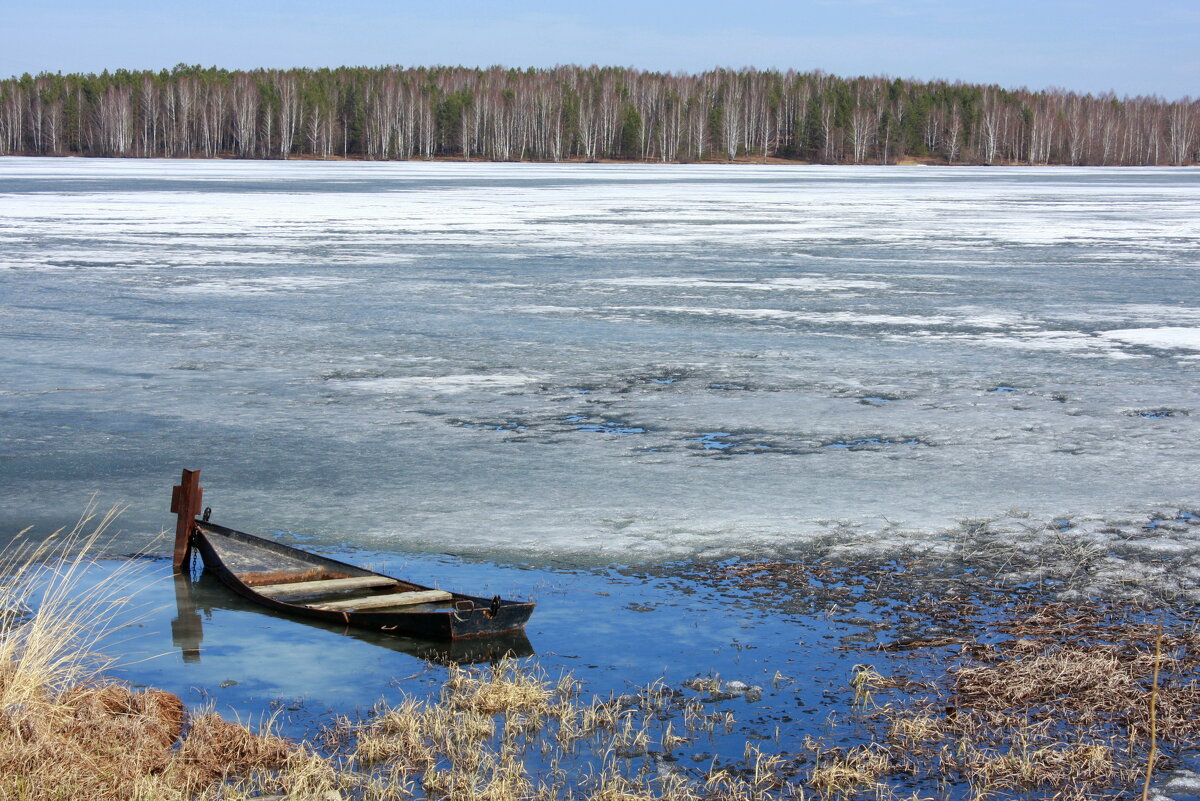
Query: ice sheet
<point x="609" y="363"/>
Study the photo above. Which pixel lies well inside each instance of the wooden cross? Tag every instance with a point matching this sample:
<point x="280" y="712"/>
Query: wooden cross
<point x="185" y="502"/>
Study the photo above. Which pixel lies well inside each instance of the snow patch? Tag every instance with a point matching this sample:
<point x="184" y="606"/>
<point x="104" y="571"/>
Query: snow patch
<point x="259" y="286"/>
<point x="437" y="384"/>
<point x="1166" y="338"/>
<point x="798" y="284"/>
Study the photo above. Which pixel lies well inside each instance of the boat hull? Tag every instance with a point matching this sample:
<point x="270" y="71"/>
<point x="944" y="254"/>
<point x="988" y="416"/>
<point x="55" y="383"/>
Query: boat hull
<point x="228" y="553"/>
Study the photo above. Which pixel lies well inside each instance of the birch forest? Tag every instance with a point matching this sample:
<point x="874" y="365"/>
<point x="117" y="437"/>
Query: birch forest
<point x="582" y="114"/>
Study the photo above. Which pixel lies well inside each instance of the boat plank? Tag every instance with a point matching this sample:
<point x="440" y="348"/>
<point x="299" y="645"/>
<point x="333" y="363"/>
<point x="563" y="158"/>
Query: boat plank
<point x="381" y="601"/>
<point x="328" y="585"/>
<point x="243" y="557"/>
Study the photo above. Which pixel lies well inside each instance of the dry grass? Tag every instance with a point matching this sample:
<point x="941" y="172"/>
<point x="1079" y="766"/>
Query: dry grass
<point x="43" y="654"/>
<point x="215" y="750"/>
<point x="844" y="774"/>
<point x="66" y="733"/>
<point x="504" y="688"/>
<point x="1071" y="707"/>
<point x="508" y="733"/>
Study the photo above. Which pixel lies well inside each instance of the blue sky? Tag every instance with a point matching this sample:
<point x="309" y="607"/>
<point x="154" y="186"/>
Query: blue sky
<point x="1144" y="47"/>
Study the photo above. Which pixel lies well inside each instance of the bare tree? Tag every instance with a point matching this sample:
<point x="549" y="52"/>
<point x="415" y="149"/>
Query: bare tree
<point x="864" y="120"/>
<point x="116" y="121"/>
<point x="244" y="109"/>
<point x="992" y="123"/>
<point x="149" y="97"/>
<point x="289" y="112"/>
<point x="953" y="141"/>
<point x="1181" y="131"/>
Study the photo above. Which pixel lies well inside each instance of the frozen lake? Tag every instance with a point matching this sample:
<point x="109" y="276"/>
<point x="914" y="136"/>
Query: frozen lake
<point x="590" y="364"/>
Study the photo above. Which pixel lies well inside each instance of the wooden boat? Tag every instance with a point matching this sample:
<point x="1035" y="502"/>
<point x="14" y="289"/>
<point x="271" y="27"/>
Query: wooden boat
<point x="296" y="582"/>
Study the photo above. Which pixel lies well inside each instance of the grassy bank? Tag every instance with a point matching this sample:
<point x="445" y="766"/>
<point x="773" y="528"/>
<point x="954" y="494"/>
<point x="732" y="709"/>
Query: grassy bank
<point x="1062" y="701"/>
<point x="66" y="732"/>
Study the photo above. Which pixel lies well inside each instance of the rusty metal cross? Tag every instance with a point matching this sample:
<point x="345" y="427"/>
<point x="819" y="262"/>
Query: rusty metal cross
<point x="185" y="502"/>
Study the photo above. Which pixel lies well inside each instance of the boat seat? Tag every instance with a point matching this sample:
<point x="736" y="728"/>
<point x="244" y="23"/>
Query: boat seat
<point x="381" y="601"/>
<point x="324" y="586"/>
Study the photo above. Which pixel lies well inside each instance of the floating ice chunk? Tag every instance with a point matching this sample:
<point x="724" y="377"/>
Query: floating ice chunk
<point x="508" y="425"/>
<point x="799" y="284"/>
<point x="786" y="315"/>
<point x="443" y="383"/>
<point x="1183" y="783"/>
<point x="868" y="442"/>
<point x="1182" y="338"/>
<point x="258" y="286"/>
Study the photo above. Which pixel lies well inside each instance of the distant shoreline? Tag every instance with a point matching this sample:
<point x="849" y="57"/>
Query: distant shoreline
<point x="591" y="114"/>
<point x="772" y="161"/>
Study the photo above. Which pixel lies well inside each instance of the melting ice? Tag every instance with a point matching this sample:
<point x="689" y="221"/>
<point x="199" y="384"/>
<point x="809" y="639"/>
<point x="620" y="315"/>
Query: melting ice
<point x="582" y="363"/>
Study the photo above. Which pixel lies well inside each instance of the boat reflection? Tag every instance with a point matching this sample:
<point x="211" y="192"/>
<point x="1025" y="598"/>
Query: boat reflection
<point x="187" y="629"/>
<point x="196" y="598"/>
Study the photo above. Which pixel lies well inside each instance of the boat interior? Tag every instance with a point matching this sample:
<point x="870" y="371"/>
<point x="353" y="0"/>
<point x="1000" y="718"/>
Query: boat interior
<point x="293" y="577"/>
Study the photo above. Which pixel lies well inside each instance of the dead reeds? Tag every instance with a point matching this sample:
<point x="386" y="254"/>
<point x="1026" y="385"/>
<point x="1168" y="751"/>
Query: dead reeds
<point x="66" y="732"/>
<point x="1074" y="705"/>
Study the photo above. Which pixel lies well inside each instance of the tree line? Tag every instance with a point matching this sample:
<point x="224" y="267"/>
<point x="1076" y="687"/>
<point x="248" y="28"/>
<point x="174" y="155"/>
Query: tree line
<point x="582" y="113"/>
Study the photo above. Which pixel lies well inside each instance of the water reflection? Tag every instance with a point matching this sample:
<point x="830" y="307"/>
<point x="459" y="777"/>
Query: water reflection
<point x="196" y="598"/>
<point x="187" y="629"/>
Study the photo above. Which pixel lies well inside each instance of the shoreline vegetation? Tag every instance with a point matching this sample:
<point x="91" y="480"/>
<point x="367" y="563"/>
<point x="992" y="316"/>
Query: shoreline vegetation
<point x="583" y="114"/>
<point x="1070" y="701"/>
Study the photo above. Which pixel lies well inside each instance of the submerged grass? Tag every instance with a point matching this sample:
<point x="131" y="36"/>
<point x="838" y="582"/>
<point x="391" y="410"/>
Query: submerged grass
<point x="1068" y="707"/>
<point x="1054" y="701"/>
<point x="1077" y="703"/>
